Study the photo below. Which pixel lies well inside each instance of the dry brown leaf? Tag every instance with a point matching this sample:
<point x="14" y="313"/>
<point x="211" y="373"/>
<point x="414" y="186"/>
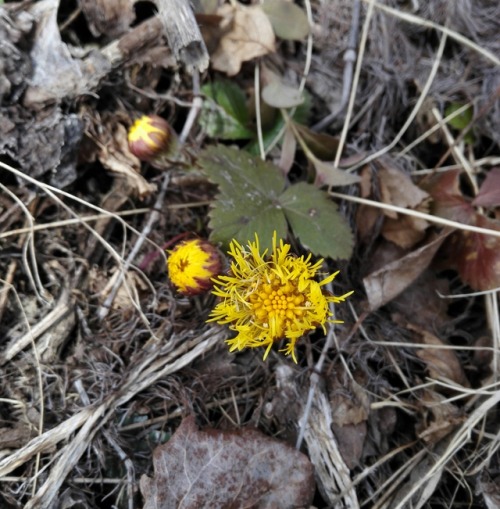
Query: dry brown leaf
<point x="442" y="363"/>
<point x="350" y="411"/>
<point x="366" y="221"/>
<point x="439" y="417"/>
<point x="248" y="34"/>
<point x="116" y="157"/>
<point x="397" y="188"/>
<point x="227" y="470"/>
<point x="384" y="284"/>
<point x="421" y="303"/>
<point x="129" y="289"/>
<point x="405" y="231"/>
<point x="366" y="216"/>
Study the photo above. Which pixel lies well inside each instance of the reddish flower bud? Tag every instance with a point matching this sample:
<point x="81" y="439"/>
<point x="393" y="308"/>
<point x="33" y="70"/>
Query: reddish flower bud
<point x="151" y="138"/>
<point x="192" y="264"/>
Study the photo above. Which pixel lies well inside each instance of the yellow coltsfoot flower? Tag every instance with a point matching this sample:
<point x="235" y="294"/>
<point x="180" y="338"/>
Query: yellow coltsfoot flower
<point x="191" y="266"/>
<point x="152" y="139"/>
<point x="265" y="299"/>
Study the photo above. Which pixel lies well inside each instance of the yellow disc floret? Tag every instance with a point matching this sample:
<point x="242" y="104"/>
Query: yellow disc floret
<point x="191" y="266"/>
<point x="269" y="298"/>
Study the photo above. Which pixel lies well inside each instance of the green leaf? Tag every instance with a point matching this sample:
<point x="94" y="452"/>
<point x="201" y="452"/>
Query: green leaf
<point x="289" y="21"/>
<point x="462" y="120"/>
<point x="248" y="202"/>
<point x="316" y="221"/>
<point x="224" y="114"/>
<point x="300" y="116"/>
<point x="241" y="221"/>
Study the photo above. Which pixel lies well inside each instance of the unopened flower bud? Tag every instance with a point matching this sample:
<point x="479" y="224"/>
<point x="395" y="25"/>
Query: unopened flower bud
<point x="152" y="139"/>
<point x="192" y="264"/>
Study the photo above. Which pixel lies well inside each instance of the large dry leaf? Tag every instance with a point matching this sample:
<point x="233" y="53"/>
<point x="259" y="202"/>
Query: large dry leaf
<point x="227" y="470"/>
<point x="384" y="284"/>
<point x="248" y="34"/>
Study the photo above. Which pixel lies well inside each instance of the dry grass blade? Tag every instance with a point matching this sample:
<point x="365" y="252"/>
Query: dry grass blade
<point x="91" y="419"/>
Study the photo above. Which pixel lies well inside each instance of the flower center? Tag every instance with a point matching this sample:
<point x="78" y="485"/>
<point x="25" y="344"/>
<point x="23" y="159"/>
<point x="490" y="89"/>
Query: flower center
<point x="277" y="303"/>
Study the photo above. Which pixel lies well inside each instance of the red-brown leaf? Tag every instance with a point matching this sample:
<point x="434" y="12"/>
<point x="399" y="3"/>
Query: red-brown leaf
<point x="489" y="192"/>
<point x="449" y="201"/>
<point x="478" y="256"/>
<point x="227" y="470"/>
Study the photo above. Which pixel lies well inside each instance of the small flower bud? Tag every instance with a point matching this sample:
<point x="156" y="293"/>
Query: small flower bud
<point x="151" y="139"/>
<point x="192" y="264"/>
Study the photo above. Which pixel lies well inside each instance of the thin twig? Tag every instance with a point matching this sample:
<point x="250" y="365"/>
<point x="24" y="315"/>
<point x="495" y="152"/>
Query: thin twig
<point x="349" y="59"/>
<point x="414" y="213"/>
<point x="357" y="73"/>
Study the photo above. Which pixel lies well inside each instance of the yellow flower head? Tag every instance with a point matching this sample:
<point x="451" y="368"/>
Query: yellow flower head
<point x="269" y="298"/>
<point x="151" y="136"/>
<point x="191" y="266"/>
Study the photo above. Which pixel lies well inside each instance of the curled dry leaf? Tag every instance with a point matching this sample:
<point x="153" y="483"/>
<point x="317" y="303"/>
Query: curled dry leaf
<point x="115" y="155"/>
<point x="329" y="175"/>
<point x="439" y="417"/>
<point x="442" y="363"/>
<point x="227" y="470"/>
<point x="384" y="284"/>
<point x="247" y="34"/>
